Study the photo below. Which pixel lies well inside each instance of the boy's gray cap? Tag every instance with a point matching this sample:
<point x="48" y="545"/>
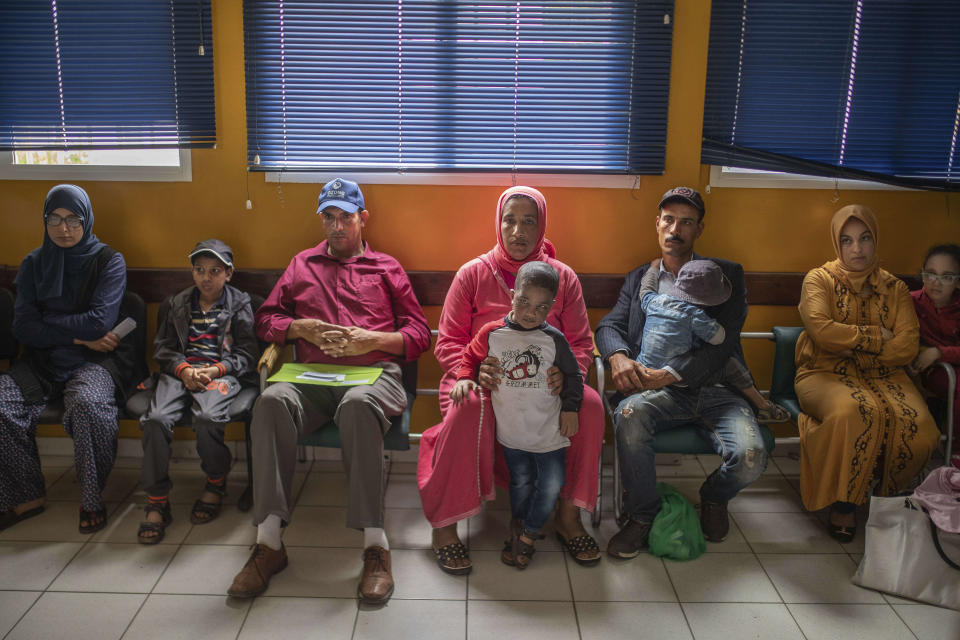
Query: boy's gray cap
<point x="703" y="283"/>
<point x="216" y="248"/>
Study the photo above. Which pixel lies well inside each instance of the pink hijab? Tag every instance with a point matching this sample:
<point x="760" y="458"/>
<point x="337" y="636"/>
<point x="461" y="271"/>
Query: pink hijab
<point x="543" y="247"/>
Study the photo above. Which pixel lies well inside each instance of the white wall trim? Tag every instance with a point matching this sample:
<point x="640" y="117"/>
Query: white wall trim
<point x="754" y="179"/>
<point x="598" y="181"/>
<point x="112" y="173"/>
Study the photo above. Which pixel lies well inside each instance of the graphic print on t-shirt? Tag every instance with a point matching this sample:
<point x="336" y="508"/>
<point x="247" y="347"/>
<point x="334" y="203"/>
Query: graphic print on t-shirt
<point x="520" y="365"/>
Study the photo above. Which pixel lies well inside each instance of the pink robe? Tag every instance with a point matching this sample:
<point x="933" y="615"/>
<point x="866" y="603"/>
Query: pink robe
<point x="456" y="466"/>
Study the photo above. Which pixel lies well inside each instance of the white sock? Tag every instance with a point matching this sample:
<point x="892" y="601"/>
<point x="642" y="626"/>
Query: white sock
<point x="268" y="532"/>
<point x="374" y="537"/>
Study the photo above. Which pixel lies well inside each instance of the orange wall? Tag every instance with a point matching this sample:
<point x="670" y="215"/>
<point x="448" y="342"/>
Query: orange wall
<point x="440" y="227"/>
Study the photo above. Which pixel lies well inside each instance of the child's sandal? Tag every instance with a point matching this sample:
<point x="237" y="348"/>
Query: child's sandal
<point x="204" y="512"/>
<point x="522" y="551"/>
<point x="158" y="529"/>
<point x="773" y="413"/>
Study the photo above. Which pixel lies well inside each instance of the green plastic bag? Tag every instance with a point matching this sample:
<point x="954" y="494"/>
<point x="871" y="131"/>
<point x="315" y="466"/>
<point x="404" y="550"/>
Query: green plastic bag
<point x="676" y="530"/>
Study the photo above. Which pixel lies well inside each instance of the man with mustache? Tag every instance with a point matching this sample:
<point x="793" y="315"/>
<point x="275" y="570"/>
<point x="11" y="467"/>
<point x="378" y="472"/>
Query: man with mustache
<point x="687" y="390"/>
<point x="341" y="302"/>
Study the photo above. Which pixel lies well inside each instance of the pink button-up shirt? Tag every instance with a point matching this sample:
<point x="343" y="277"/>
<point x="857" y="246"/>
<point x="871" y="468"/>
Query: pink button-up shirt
<point x="370" y="291"/>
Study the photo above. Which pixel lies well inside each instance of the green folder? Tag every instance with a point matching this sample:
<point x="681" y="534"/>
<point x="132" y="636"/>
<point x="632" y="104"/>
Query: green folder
<point x="328" y="375"/>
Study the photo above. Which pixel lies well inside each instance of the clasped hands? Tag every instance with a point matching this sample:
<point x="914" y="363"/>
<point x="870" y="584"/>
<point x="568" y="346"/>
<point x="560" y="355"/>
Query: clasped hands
<point x="336" y="341"/>
<point x="197" y="378"/>
<point x="489" y="378"/>
<point x="629" y="376"/>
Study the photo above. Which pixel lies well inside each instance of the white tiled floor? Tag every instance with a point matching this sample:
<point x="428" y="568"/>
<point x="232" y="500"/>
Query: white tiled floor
<point x="778" y="575"/>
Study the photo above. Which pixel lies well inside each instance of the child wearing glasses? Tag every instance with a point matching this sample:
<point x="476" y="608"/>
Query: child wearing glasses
<point x="938" y="310"/>
<point x="205" y="347"/>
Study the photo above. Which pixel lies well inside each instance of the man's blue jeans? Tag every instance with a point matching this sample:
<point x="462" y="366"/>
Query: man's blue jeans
<point x="535" y="483"/>
<point x="722" y="416"/>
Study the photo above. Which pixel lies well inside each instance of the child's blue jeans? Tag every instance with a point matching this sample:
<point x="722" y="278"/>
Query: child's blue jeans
<point x="535" y="483"/>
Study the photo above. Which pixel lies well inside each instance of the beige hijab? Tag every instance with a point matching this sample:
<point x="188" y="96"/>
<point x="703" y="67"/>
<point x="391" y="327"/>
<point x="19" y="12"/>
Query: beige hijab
<point x="854" y="279"/>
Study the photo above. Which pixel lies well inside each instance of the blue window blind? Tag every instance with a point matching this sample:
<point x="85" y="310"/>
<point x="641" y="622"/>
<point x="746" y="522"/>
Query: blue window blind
<point x="848" y="88"/>
<point x="106" y="74"/>
<point x="547" y="86"/>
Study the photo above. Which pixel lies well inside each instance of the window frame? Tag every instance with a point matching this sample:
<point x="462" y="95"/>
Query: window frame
<point x="97" y="173"/>
<point x="742" y="178"/>
<point x="485" y="179"/>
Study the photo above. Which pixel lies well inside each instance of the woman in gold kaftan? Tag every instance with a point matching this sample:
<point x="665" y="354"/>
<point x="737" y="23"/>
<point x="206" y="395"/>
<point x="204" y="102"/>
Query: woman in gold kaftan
<point x="863" y="419"/>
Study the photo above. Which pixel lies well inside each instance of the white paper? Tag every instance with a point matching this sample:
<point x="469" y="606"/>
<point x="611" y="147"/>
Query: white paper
<point x="124" y="327"/>
<point x="322" y="377"/>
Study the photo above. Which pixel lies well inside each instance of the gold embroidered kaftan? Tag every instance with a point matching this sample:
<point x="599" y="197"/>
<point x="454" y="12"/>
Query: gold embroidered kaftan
<point x="862" y="416"/>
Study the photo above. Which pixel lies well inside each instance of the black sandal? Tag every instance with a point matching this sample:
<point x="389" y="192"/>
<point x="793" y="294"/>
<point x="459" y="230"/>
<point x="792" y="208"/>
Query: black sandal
<point x="157" y="528"/>
<point x="449" y="552"/>
<point x="204" y="512"/>
<point x="95" y="520"/>
<point x="578" y="545"/>
<point x="841" y="534"/>
<point x="11" y="517"/>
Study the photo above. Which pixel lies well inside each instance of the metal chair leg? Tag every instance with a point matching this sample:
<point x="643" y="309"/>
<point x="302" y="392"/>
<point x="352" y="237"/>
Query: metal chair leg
<point x="245" y="501"/>
<point x="598" y="507"/>
<point x="951" y="399"/>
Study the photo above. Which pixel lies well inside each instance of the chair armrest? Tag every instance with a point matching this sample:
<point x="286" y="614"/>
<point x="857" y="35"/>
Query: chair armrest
<point x="951" y="395"/>
<point x="601" y="382"/>
<point x="268" y="362"/>
<point x="951" y="377"/>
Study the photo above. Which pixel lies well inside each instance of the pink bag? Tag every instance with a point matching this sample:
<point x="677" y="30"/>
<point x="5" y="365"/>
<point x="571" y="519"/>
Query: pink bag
<point x="939" y="494"/>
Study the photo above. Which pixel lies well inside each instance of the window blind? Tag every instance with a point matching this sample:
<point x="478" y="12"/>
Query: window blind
<point x="849" y="88"/>
<point x="106" y="74"/>
<point x="547" y="86"/>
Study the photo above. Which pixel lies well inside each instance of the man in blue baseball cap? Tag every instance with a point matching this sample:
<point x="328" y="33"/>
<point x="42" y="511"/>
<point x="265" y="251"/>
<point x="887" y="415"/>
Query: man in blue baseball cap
<point x="342" y="303"/>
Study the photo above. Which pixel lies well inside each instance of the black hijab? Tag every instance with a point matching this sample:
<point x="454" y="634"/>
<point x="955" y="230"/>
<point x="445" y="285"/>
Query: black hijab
<point x="49" y="261"/>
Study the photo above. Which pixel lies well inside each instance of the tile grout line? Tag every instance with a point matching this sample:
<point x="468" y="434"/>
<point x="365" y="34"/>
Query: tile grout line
<point x="899" y="617"/>
<point x="146" y="597"/>
<point x="676" y="594"/>
<point x="24" y="614"/>
<point x="356" y="620"/>
<point x="756" y="555"/>
<point x="45" y="590"/>
<point x="573" y="596"/>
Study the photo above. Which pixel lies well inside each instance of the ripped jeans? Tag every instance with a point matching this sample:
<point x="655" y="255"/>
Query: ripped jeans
<point x="721" y="415"/>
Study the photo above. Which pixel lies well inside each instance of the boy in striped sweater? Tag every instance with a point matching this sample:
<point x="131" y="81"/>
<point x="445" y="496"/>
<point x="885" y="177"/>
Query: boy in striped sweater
<point x="205" y="346"/>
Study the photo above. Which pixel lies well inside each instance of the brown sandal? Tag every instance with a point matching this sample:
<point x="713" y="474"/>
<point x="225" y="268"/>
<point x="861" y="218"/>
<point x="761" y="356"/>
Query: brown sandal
<point x="522" y="551"/>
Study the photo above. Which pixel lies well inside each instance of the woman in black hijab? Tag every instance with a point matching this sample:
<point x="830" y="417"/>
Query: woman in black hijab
<point x="69" y="292"/>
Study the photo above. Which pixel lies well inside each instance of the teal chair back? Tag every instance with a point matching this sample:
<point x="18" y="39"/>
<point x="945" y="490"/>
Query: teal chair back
<point x="784" y="369"/>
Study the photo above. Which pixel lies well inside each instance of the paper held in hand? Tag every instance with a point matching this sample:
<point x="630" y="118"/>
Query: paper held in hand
<point x="330" y="375"/>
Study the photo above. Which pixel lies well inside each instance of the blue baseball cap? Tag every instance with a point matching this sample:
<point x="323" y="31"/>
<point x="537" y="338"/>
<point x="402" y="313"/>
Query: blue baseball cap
<point x="341" y="193"/>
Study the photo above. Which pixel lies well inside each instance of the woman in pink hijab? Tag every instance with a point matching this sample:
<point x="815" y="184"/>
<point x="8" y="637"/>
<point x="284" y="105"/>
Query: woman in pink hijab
<point x="457" y="457"/>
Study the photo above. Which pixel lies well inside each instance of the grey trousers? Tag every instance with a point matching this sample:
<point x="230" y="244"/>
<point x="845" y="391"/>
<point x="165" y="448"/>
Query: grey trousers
<point x="286" y="412"/>
<point x="211" y="412"/>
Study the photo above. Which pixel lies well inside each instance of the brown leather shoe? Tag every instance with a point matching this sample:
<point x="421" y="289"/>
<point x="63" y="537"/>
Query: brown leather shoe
<point x="714" y="520"/>
<point x="253" y="579"/>
<point x="376" y="585"/>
